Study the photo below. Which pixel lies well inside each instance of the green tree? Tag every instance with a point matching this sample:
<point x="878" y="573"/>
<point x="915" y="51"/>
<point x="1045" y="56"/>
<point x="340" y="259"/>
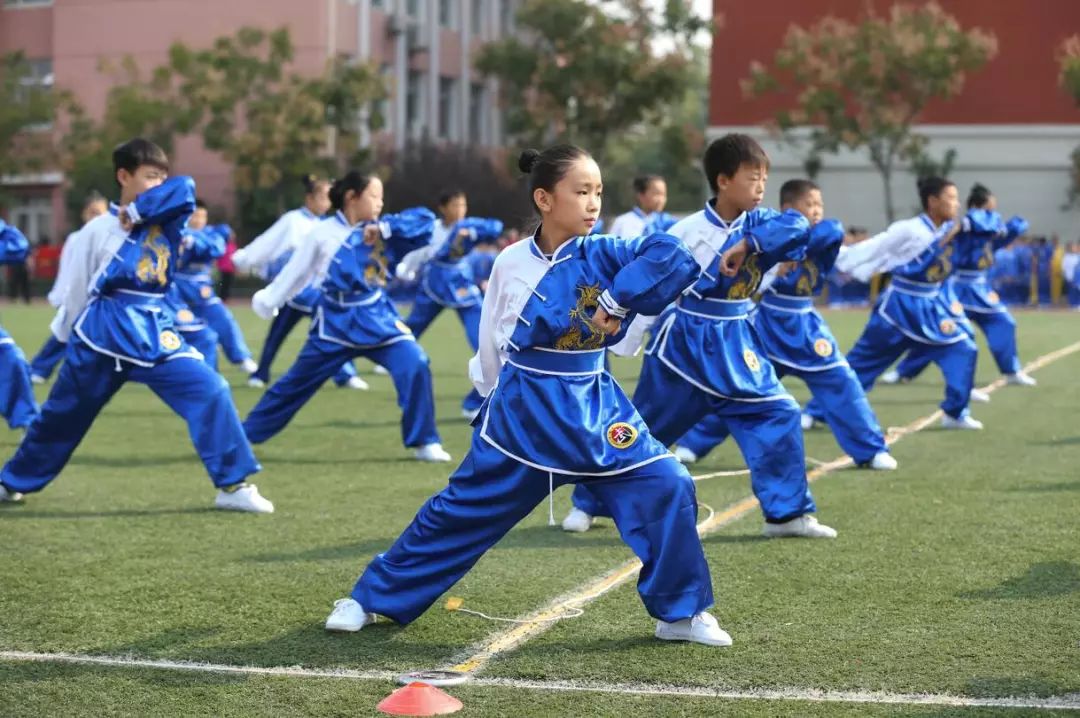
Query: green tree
<point x="865" y="84"/>
<point x="587" y="72"/>
<point x="26" y="113"/>
<point x="273" y="125"/>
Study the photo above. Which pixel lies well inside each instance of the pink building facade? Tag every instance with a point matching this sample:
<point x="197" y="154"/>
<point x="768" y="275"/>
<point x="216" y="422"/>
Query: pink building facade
<point x="423" y="48"/>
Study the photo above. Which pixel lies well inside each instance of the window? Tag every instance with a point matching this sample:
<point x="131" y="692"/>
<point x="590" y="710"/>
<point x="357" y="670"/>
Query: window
<point x="506" y="16"/>
<point x="476" y="114"/>
<point x="448" y="13"/>
<point x="477" y="19"/>
<point x="39" y="75"/>
<point x="33" y="216"/>
<point x="414" y="103"/>
<point x="448" y="103"/>
<point x="27" y="3"/>
<point x="378" y="4"/>
<point x="412" y="8"/>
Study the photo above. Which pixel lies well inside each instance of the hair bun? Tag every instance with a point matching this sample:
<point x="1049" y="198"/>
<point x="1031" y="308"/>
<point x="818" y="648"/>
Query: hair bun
<point x="528" y="160"/>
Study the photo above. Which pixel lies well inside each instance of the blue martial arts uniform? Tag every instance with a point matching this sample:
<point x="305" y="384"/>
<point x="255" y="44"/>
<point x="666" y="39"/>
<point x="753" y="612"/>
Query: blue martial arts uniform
<point x="17" y="403"/>
<point x="119" y="329"/>
<point x="554" y="416"/>
<point x="447" y="281"/>
<point x="196" y="287"/>
<point x="915" y="312"/>
<point x="705" y="357"/>
<point x="799" y="343"/>
<point x="983" y="233"/>
<point x="353" y="317"/>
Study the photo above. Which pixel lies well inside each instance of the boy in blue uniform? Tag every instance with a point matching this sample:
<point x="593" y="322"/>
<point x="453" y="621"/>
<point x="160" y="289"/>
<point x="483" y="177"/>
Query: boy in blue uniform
<point x="705" y="358"/>
<point x="118" y="328"/>
<point x="552" y="415"/>
<point x="17" y="403"/>
<point x="912" y="313"/>
<point x="799" y="343"/>
<point x="196" y="288"/>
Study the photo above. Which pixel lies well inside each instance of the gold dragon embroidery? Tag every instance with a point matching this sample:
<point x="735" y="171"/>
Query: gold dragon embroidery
<point x="805" y="286"/>
<point x="941" y="266"/>
<point x="375" y="271"/>
<point x="582" y="333"/>
<point x="749" y="278"/>
<point x="153" y="265"/>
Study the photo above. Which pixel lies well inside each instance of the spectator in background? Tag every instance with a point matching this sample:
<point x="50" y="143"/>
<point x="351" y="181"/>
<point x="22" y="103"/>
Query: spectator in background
<point x="1069" y="264"/>
<point x="46" y="260"/>
<point x="226" y="268"/>
<point x="18" y="276"/>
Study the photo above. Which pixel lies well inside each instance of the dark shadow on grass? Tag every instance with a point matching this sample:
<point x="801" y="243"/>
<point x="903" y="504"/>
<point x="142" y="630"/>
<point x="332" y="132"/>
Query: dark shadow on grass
<point x="1008" y="687"/>
<point x="359" y="551"/>
<point x="32" y="672"/>
<point x="392" y="423"/>
<point x="117" y="514"/>
<point x="1042" y="580"/>
<point x="168" y="640"/>
<point x="1062" y="441"/>
<point x="133" y="460"/>
<point x="1047" y="488"/>
<point x="735" y="538"/>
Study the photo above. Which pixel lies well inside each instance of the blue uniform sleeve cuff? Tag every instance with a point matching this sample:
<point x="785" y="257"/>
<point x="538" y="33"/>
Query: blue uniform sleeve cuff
<point x="132" y="213"/>
<point x="611" y="306"/>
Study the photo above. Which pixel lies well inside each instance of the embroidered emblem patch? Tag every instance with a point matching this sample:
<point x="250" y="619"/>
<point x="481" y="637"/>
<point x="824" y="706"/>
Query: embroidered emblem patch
<point x="621" y="435"/>
<point x="993" y="297"/>
<point x="823" y="348"/>
<point x="170" y="342"/>
<point x="185" y="316"/>
<point x="402" y="326"/>
<point x="948" y="326"/>
<point x="462" y="292"/>
<point x="751" y="360"/>
<point x="205" y="291"/>
<point x="956" y="308"/>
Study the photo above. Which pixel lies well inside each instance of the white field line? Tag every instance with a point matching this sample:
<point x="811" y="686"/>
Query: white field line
<point x="1068" y="702"/>
<point x="539" y="621"/>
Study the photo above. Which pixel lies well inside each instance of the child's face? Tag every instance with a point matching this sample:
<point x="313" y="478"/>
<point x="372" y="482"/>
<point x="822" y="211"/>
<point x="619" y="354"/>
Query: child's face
<point x="198" y="219"/>
<point x="573" y="205"/>
<point x="454" y="210"/>
<point x="319" y="199"/>
<point x="654" y="198"/>
<point x="810" y="205"/>
<point x="368" y="204"/>
<point x="946" y="204"/>
<point x="746" y="189"/>
<point x="144" y="177"/>
<point x="94" y="209"/>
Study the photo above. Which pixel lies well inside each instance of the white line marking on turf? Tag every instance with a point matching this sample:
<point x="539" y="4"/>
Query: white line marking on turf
<point x="539" y="621"/>
<point x="1067" y="702"/>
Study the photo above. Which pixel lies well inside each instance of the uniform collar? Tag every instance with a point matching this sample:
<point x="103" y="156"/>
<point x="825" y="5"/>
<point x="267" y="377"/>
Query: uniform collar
<point x="714" y="218"/>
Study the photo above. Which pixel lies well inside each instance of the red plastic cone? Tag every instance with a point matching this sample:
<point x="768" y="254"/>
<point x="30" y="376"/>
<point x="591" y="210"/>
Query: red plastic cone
<point x="419" y="699"/>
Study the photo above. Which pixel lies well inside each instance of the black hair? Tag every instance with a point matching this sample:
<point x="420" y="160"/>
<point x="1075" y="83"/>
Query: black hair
<point x="354" y="180"/>
<point x="726" y="155"/>
<point x="795" y="189"/>
<point x="311" y="181"/>
<point x="932" y="187"/>
<point x="641" y="183"/>
<point x="546" y="169"/>
<point x="979" y="197"/>
<point x="200" y="203"/>
<point x="135" y="153"/>
<point x="448" y="194"/>
<point x="92" y="197"/>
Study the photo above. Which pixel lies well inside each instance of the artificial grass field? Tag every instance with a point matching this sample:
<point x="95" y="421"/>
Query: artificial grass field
<point x="959" y="574"/>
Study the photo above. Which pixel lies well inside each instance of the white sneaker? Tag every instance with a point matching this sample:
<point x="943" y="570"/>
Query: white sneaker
<point x="37" y="379"/>
<point x="256" y="383"/>
<point x="702" y="628"/>
<point x="890" y="377"/>
<point x="577" y="521"/>
<point x="432" y="452"/>
<point x="1017" y="379"/>
<point x="357" y="383"/>
<point x="249" y="366"/>
<point x="685" y="456"/>
<point x="246" y="498"/>
<point x="883" y="461"/>
<point x="7" y="496"/>
<point x="805" y="526"/>
<point x="980" y="396"/>
<point x="470" y="414"/>
<point x="807" y="422"/>
<point x="380" y="370"/>
<point x="348" y="616"/>
<point x="964" y="422"/>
